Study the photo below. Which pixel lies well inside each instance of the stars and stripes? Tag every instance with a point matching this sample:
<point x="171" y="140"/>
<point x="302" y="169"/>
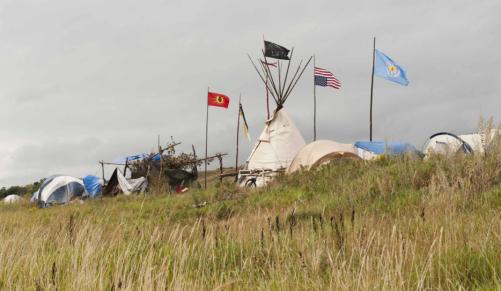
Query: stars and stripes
<point x="325" y="78"/>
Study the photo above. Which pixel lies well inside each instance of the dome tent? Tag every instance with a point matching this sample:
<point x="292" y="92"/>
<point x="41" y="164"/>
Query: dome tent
<point x="59" y="189"/>
<point x="13" y="198"/>
<point x="446" y="143"/>
<point x="321" y="152"/>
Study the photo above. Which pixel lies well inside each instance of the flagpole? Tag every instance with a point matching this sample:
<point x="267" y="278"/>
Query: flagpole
<point x="267" y="93"/>
<point x="372" y="87"/>
<point x="314" y="103"/>
<point x="206" y="137"/>
<point x="238" y="134"/>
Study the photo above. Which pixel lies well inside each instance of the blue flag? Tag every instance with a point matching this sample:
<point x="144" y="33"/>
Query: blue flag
<point x="386" y="68"/>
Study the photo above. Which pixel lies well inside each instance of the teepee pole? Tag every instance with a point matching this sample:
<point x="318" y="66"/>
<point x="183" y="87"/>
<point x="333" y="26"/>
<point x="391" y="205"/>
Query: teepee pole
<point x="270" y="75"/>
<point x="293" y="78"/>
<point x="297" y="79"/>
<point x="262" y="78"/>
<point x="287" y="72"/>
<point x="372" y="87"/>
<point x="267" y="100"/>
<point x="269" y="81"/>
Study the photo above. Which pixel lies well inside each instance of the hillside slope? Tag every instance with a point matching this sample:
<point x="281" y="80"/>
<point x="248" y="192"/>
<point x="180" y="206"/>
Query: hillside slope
<point x="395" y="223"/>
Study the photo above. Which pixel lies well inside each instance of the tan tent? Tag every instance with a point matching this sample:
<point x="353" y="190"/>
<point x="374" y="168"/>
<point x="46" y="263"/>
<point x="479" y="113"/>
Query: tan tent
<point x="321" y="152"/>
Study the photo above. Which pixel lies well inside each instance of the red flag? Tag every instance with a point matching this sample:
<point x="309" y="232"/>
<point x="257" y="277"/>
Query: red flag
<point x="218" y="100"/>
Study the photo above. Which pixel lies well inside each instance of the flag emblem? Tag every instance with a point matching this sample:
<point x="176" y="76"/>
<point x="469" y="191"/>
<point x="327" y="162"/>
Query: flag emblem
<point x="393" y="71"/>
<point x="325" y="78"/>
<point x="218" y="100"/>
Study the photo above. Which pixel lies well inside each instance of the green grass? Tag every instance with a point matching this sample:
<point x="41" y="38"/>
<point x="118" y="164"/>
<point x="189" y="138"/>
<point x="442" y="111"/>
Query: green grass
<point x="396" y="223"/>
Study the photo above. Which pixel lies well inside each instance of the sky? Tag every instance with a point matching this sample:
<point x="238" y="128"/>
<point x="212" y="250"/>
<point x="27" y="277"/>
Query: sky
<point x="89" y="80"/>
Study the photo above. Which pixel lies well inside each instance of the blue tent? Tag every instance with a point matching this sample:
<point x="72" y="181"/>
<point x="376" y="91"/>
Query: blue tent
<point x="93" y="185"/>
<point x="381" y="147"/>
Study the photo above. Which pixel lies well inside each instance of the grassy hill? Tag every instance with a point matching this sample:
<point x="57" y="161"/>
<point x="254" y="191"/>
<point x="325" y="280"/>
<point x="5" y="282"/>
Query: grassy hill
<point x="396" y="223"/>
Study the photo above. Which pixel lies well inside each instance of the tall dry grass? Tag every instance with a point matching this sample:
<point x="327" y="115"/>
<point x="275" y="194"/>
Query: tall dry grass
<point x="397" y="223"/>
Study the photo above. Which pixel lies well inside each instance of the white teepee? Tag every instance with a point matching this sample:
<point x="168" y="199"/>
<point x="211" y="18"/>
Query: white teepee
<point x="280" y="140"/>
<point x="277" y="145"/>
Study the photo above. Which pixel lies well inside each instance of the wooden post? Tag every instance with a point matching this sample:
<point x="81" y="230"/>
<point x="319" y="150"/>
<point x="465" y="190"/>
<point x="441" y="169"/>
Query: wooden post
<point x="160" y="173"/>
<point x="102" y="170"/>
<point x="220" y="158"/>
<point x="206" y="136"/>
<point x="238" y="134"/>
<point x="372" y="88"/>
<point x="126" y="165"/>
<point x="314" y="103"/>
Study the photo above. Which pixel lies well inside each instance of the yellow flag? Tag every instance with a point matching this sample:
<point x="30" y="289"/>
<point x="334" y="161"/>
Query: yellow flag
<point x="245" y="127"/>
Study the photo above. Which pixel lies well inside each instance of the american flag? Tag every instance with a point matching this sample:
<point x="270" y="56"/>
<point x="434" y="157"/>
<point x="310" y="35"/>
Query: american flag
<point x="325" y="78"/>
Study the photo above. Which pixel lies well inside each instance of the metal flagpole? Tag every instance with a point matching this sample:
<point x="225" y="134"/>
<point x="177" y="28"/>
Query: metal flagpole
<point x="238" y="134"/>
<point x="314" y="103"/>
<point x="372" y="87"/>
<point x="206" y="137"/>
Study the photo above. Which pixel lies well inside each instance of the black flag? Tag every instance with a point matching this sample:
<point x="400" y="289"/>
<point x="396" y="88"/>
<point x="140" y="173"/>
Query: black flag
<point x="273" y="50"/>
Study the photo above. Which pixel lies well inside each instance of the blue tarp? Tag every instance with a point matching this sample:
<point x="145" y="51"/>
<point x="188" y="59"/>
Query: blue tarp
<point x="136" y="157"/>
<point x="93" y="185"/>
<point x="381" y="147"/>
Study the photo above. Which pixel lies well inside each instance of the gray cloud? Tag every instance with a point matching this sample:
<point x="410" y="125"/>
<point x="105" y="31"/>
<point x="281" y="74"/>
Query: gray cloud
<point x="90" y="80"/>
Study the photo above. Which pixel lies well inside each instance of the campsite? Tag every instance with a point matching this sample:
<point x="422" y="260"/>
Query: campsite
<point x="171" y="146"/>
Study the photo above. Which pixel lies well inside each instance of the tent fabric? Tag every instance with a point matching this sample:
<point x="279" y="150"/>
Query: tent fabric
<point x="480" y="141"/>
<point x="59" y="190"/>
<point x="118" y="183"/>
<point x="381" y="147"/>
<point x="10" y="199"/>
<point x="277" y="145"/>
<point x="446" y="143"/>
<point x="137" y="157"/>
<point x="321" y="152"/>
<point x="93" y="185"/>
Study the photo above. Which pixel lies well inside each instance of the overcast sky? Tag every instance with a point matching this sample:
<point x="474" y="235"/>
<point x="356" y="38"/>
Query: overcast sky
<point x="86" y="80"/>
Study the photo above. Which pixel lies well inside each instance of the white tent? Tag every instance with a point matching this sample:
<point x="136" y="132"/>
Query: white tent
<point x="321" y="152"/>
<point x="59" y="190"/>
<point x="10" y="199"/>
<point x="480" y="141"/>
<point x="277" y="145"/>
<point x="447" y="143"/>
